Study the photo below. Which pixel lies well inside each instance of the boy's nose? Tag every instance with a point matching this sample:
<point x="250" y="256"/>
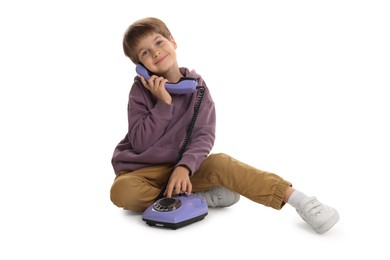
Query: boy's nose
<point x="156" y="53"/>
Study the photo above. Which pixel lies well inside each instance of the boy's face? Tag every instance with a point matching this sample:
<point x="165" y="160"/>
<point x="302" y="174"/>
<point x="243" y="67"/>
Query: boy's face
<point x="157" y="53"/>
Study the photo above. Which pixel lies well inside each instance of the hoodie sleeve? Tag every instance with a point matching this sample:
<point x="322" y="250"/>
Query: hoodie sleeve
<point x="147" y="118"/>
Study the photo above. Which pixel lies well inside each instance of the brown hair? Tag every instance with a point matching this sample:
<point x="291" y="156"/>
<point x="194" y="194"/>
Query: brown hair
<point x="140" y="29"/>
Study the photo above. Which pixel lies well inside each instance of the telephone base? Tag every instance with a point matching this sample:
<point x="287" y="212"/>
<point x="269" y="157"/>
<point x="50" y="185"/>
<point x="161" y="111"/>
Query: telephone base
<point x="175" y="212"/>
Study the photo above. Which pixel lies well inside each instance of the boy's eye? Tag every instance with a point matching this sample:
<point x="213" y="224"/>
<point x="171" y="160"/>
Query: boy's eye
<point x="160" y="42"/>
<point x="144" y="53"/>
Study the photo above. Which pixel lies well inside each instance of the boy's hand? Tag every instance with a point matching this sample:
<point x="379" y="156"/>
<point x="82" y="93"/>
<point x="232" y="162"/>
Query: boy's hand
<point x="156" y="85"/>
<point x="179" y="182"/>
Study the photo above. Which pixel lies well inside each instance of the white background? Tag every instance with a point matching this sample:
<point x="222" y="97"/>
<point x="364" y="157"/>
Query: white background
<point x="301" y="89"/>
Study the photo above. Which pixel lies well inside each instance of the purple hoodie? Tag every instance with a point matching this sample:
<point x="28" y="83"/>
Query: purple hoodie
<point x="156" y="130"/>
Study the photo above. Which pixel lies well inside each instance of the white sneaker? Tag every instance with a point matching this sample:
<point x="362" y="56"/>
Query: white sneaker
<point x="219" y="197"/>
<point x="318" y="215"/>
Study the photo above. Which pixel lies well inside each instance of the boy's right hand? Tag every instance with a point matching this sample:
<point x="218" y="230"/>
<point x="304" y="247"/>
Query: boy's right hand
<point x="156" y="85"/>
<point x="179" y="182"/>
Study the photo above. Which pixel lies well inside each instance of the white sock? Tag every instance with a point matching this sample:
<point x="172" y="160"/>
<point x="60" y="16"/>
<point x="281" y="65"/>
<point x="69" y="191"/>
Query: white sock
<point x="296" y="198"/>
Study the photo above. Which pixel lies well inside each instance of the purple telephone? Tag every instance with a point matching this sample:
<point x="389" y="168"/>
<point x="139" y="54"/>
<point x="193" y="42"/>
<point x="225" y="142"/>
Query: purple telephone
<point x="185" y="85"/>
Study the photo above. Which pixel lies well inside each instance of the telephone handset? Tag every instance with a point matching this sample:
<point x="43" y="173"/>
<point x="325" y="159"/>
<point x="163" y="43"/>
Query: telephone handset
<point x="185" y="85"/>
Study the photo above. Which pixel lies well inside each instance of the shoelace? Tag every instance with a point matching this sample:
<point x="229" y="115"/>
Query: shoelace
<point x="215" y="198"/>
<point x="212" y="198"/>
<point x="312" y="208"/>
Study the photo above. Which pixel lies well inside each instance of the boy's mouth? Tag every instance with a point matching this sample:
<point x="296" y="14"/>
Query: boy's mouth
<point x="160" y="59"/>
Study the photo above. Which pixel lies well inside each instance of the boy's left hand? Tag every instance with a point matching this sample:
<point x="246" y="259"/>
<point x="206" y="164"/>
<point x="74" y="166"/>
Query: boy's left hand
<point x="156" y="85"/>
<point x="179" y="182"/>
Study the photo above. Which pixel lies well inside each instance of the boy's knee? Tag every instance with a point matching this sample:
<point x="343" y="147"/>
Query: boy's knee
<point x="218" y="156"/>
<point x="215" y="163"/>
<point x="124" y="196"/>
<point x="219" y="159"/>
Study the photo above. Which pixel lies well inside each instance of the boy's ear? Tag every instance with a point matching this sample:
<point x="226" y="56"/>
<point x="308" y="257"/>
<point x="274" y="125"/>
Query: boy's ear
<point x="173" y="41"/>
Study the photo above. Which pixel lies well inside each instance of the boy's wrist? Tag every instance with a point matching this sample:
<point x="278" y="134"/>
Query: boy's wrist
<point x="186" y="168"/>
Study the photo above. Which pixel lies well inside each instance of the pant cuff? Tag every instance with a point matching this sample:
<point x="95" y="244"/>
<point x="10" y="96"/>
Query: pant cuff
<point x="277" y="200"/>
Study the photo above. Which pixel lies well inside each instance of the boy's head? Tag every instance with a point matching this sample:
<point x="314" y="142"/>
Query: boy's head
<point x="140" y="29"/>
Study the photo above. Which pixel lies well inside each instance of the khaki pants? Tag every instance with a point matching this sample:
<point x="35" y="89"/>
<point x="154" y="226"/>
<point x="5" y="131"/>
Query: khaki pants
<point x="136" y="190"/>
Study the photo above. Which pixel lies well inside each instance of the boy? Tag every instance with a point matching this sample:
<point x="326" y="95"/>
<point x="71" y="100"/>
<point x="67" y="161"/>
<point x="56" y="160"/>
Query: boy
<point x="157" y="126"/>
